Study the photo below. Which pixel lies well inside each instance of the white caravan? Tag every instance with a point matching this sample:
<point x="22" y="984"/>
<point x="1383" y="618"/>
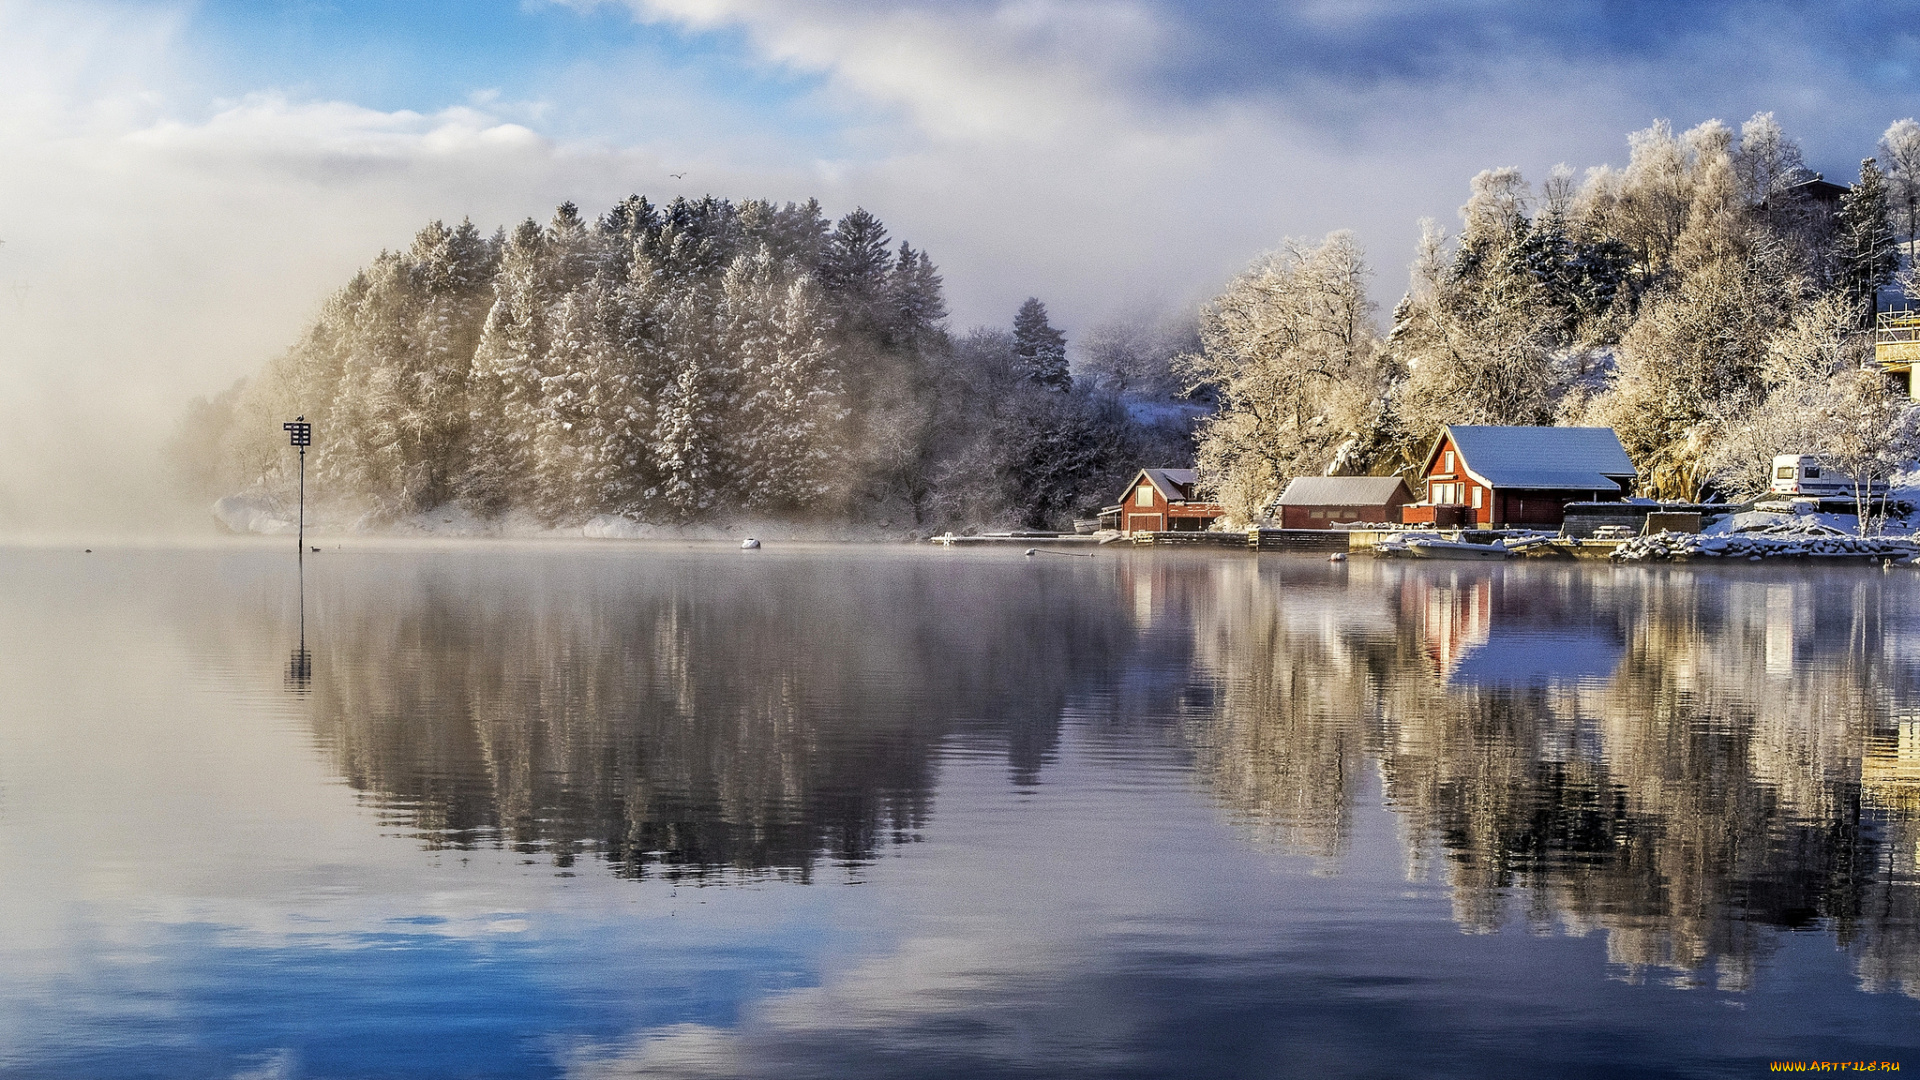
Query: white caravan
<point x="1804" y="476"/>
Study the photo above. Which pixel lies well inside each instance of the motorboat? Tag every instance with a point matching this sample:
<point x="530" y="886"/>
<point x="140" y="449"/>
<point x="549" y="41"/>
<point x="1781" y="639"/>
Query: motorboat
<point x="1435" y="547"/>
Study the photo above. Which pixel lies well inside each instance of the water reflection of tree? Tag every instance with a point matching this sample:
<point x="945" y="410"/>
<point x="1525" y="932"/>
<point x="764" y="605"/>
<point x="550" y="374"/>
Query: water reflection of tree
<point x="1699" y="796"/>
<point x="702" y="720"/>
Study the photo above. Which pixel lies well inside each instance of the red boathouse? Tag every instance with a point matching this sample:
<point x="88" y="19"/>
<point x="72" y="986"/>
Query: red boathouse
<point x="1161" y="500"/>
<point x="1484" y="476"/>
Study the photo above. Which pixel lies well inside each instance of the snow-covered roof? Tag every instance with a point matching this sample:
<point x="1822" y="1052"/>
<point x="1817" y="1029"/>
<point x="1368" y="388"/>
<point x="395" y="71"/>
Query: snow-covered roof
<point x="1556" y="458"/>
<point x="1175" y="485"/>
<point x="1342" y="491"/>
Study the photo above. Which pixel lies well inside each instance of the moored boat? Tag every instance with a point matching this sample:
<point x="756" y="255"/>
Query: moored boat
<point x="1434" y="547"/>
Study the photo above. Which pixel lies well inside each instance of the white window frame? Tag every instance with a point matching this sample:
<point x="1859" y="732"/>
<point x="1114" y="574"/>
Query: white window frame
<point x="1144" y="497"/>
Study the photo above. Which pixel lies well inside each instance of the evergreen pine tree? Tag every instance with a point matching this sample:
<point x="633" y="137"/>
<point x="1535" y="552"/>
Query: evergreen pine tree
<point x="1869" y="252"/>
<point x="630" y="391"/>
<point x="854" y="268"/>
<point x="505" y="380"/>
<point x="1042" y="349"/>
<point x="685" y="433"/>
<point x="914" y="290"/>
<point x="749" y="337"/>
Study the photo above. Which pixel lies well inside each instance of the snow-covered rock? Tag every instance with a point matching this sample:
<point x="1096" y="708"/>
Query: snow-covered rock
<point x="1779" y="543"/>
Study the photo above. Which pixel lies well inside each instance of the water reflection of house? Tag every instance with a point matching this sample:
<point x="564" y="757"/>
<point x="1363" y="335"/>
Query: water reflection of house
<point x="1471" y="642"/>
<point x="1454" y="614"/>
<point x="1890" y="770"/>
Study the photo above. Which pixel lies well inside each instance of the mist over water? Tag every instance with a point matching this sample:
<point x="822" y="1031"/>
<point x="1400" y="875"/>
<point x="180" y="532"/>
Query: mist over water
<point x="603" y="810"/>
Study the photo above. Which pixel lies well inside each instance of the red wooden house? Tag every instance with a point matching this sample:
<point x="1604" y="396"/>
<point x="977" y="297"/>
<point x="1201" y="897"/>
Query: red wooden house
<point x="1519" y="476"/>
<point x="1161" y="500"/>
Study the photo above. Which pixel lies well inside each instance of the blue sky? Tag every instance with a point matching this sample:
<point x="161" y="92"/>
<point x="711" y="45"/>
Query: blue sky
<point x="240" y="158"/>
<point x="426" y="55"/>
<point x="1696" y="59"/>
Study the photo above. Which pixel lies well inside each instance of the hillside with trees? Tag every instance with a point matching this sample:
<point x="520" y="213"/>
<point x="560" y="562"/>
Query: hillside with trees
<point x="1713" y="302"/>
<point x="703" y="360"/>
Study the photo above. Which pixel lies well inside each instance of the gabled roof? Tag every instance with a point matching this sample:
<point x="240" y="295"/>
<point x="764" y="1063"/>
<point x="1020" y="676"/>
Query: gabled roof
<point x="1174" y="485"/>
<point x="1343" y="491"/>
<point x="1553" y="458"/>
<point x="1817" y="188"/>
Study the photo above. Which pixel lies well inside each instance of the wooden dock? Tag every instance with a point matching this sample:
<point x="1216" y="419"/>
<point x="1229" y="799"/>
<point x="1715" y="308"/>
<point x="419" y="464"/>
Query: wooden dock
<point x="1301" y="541"/>
<point x="1029" y="539"/>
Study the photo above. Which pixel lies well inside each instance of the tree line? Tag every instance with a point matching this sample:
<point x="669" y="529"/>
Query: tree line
<point x="677" y="363"/>
<point x="1713" y="302"/>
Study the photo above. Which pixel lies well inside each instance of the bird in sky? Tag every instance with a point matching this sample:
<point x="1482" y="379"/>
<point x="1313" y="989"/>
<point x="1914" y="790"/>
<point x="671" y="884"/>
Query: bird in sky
<point x="677" y="175"/>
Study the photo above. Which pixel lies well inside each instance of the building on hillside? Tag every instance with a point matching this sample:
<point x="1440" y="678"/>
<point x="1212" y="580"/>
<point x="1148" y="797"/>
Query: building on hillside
<point x="1816" y="191"/>
<point x="1896" y="347"/>
<point x="1327" y="502"/>
<point x="1161" y="500"/>
<point x="1519" y="476"/>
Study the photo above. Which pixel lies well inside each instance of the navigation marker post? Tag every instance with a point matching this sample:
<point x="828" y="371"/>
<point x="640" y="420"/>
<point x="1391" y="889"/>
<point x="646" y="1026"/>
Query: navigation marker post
<point x="300" y="434"/>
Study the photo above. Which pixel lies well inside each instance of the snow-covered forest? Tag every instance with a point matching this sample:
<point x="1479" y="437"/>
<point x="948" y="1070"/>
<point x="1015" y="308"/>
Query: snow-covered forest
<point x="1713" y="302"/>
<point x="700" y="360"/>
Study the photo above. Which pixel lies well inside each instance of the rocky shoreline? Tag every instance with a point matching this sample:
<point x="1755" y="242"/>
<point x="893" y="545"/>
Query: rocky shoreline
<point x="1825" y="544"/>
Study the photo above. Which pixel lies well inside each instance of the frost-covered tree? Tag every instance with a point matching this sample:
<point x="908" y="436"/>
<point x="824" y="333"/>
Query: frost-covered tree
<point x="856" y="268"/>
<point x="803" y="405"/>
<point x="504" y="386"/>
<point x="1041" y="348"/>
<point x="1871" y="432"/>
<point x="1790" y="415"/>
<point x="1698" y="346"/>
<point x="687" y="422"/>
<point x="1900" y="149"/>
<point x="663" y="362"/>
<point x="1767" y="164"/>
<point x="1291" y="351"/>
<point x="1477" y="332"/>
<point x="781" y="434"/>
<point x="1869" y="254"/>
<point x="1136" y="356"/>
<point x="1646" y="205"/>
<point x="406" y="340"/>
<point x="581" y="387"/>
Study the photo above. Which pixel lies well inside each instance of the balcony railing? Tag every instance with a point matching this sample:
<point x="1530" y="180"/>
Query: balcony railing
<point x="1896" y="327"/>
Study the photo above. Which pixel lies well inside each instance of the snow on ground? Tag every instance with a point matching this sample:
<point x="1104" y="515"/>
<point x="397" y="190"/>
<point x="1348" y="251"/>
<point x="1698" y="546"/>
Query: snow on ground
<point x="1802" y="524"/>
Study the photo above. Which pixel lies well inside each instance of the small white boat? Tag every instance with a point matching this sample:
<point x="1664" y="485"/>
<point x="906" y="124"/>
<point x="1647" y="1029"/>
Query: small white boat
<point x="1434" y="547"/>
<point x="749" y="544"/>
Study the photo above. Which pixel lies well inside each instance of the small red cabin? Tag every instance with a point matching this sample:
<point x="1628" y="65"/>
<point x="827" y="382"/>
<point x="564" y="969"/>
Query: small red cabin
<point x="1161" y="500"/>
<point x="1520" y="476"/>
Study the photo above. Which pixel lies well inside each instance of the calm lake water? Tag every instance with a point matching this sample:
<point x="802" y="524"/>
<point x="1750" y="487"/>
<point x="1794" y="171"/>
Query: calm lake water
<point x="601" y="810"/>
